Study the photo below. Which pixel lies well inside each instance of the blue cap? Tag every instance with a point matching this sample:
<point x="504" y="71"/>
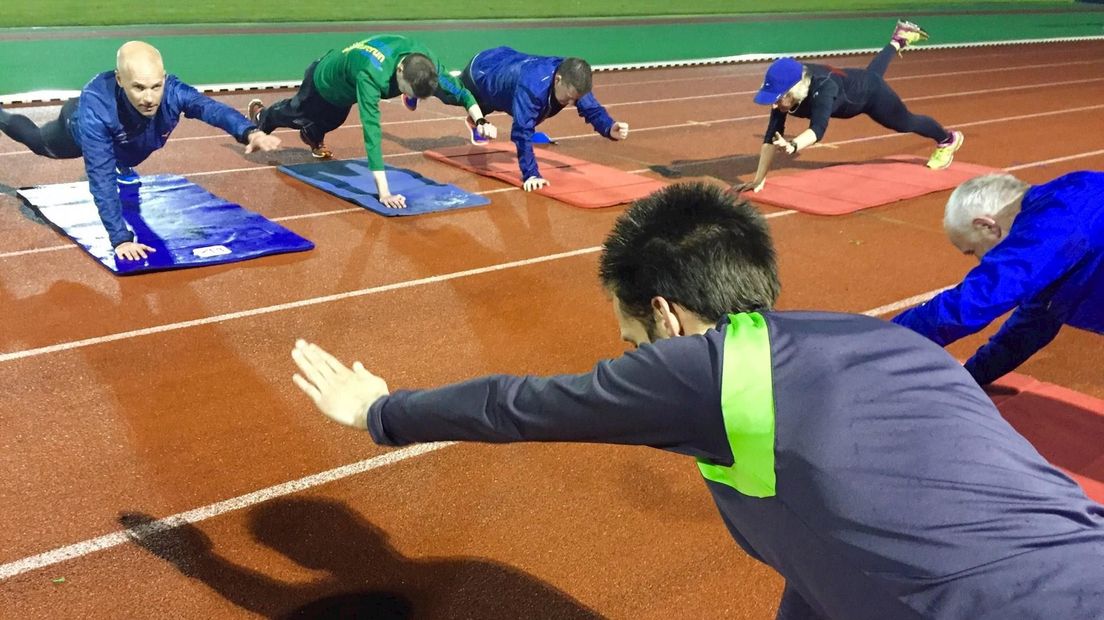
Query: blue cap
<point x="782" y="75"/>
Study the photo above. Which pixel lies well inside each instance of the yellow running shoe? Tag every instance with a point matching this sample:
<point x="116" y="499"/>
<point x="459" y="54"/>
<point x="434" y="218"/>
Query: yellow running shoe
<point x="944" y="153"/>
<point x="906" y="33"/>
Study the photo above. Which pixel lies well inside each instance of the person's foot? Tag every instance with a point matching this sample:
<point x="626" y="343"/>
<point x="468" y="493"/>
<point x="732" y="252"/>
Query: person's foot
<point x="476" y="138"/>
<point x="253" y="112"/>
<point x="907" y="33"/>
<point x="127" y="176"/>
<point x="411" y="103"/>
<point x="317" y="149"/>
<point x="944" y="152"/>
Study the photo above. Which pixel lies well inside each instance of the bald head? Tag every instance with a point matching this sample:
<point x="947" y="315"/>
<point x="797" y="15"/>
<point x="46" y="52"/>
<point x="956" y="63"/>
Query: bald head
<point x="140" y="72"/>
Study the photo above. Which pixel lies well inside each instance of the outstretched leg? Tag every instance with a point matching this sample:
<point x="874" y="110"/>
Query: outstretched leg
<point x="882" y="60"/>
<point x="887" y="109"/>
<point x="904" y="34"/>
<point x="51" y="140"/>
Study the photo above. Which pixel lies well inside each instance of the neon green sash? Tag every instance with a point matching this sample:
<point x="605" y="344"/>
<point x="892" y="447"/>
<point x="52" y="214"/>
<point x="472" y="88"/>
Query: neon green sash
<point x="747" y="404"/>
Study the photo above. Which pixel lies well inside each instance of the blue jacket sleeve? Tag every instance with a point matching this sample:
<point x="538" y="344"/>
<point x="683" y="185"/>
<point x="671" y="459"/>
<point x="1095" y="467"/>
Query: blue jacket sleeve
<point x="594" y="114"/>
<point x="99" y="166"/>
<point x="664" y="395"/>
<point x="1030" y="328"/>
<point x="527" y="109"/>
<point x="195" y="104"/>
<point x="1016" y="271"/>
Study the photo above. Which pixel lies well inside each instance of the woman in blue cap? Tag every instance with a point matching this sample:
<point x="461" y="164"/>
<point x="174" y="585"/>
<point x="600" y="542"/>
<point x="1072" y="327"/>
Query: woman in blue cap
<point x="819" y="92"/>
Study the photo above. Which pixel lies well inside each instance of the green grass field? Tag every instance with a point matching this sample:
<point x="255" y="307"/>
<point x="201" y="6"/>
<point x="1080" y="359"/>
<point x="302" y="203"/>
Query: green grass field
<point x="26" y="13"/>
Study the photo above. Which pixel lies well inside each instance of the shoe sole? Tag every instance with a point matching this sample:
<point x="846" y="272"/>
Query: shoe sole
<point x="255" y="115"/>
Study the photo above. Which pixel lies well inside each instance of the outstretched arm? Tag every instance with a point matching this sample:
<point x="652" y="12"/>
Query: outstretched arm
<point x="217" y="114"/>
<point x="1030" y="328"/>
<point x="1034" y="256"/>
<point x="662" y="395"/>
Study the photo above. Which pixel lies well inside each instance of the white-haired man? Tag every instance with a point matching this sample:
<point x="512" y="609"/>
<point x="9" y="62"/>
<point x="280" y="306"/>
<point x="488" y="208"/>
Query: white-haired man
<point x="1040" y="251"/>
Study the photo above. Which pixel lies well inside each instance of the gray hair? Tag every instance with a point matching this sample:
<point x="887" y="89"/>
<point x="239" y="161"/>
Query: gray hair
<point x="983" y="196"/>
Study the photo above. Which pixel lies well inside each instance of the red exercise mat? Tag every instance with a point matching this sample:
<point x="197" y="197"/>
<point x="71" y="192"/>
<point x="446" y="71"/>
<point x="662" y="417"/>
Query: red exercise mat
<point x="1065" y="426"/>
<point x="836" y="190"/>
<point x="574" y="181"/>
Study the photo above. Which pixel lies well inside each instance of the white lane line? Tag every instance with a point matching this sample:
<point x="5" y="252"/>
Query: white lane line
<point x="107" y="541"/>
<point x="901" y="304"/>
<point x="83" y="548"/>
<point x="303" y="303"/>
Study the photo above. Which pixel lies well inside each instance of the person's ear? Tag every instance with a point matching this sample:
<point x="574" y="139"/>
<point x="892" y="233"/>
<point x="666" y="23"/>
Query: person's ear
<point x="667" y="318"/>
<point x="988" y="227"/>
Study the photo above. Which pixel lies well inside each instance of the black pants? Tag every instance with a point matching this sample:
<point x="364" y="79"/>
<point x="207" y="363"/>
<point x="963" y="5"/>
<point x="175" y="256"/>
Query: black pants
<point x="887" y="109"/>
<point x="308" y="111"/>
<point x="51" y="140"/>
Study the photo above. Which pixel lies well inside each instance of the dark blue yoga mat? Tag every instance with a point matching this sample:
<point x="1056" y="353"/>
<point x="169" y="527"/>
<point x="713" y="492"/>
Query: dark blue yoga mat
<point x="186" y="224"/>
<point x="352" y="180"/>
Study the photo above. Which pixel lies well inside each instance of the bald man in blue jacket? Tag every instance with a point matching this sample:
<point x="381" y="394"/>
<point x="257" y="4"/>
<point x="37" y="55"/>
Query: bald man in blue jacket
<point x="531" y="89"/>
<point x="120" y="118"/>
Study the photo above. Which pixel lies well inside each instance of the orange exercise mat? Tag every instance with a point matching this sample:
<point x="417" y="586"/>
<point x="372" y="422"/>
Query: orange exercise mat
<point x="846" y="188"/>
<point x="1065" y="426"/>
<point x="574" y="181"/>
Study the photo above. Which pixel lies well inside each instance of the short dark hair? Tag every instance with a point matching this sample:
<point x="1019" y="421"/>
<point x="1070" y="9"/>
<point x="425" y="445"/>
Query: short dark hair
<point x="693" y="244"/>
<point x="421" y="73"/>
<point x="575" y="72"/>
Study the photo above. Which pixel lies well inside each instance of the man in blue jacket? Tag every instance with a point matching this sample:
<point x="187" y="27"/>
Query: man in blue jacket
<point x="531" y="89"/>
<point x="119" y="119"/>
<point x="854" y="457"/>
<point x="1041" y="253"/>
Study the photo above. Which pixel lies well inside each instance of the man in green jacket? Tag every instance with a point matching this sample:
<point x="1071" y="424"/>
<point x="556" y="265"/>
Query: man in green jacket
<point x="381" y="67"/>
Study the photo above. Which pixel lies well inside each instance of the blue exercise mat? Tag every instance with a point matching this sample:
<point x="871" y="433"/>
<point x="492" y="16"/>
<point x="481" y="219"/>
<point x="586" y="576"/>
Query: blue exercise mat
<point x="352" y="180"/>
<point x="186" y="224"/>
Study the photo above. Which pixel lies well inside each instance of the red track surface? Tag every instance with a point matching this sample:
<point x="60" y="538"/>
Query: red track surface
<point x="167" y="422"/>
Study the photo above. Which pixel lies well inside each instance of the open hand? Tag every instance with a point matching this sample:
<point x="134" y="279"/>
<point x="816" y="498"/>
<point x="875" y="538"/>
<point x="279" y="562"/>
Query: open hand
<point x="132" y="250"/>
<point x="753" y="186"/>
<point x="393" y="201"/>
<point x="342" y="394"/>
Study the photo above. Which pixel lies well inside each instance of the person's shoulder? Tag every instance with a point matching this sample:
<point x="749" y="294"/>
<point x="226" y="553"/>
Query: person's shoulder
<point x="1075" y="189"/>
<point x="100" y="85"/>
<point x="826" y="322"/>
<point x="97" y="100"/>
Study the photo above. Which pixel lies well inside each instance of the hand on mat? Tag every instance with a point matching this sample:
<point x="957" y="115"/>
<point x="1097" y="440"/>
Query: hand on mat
<point x="487" y="130"/>
<point x="534" y="183"/>
<point x="343" y="394"/>
<point x="753" y="186"/>
<point x="783" y="144"/>
<point x="260" y="141"/>
<point x="619" y="131"/>
<point x="393" y="201"/>
<point x="132" y="250"/>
